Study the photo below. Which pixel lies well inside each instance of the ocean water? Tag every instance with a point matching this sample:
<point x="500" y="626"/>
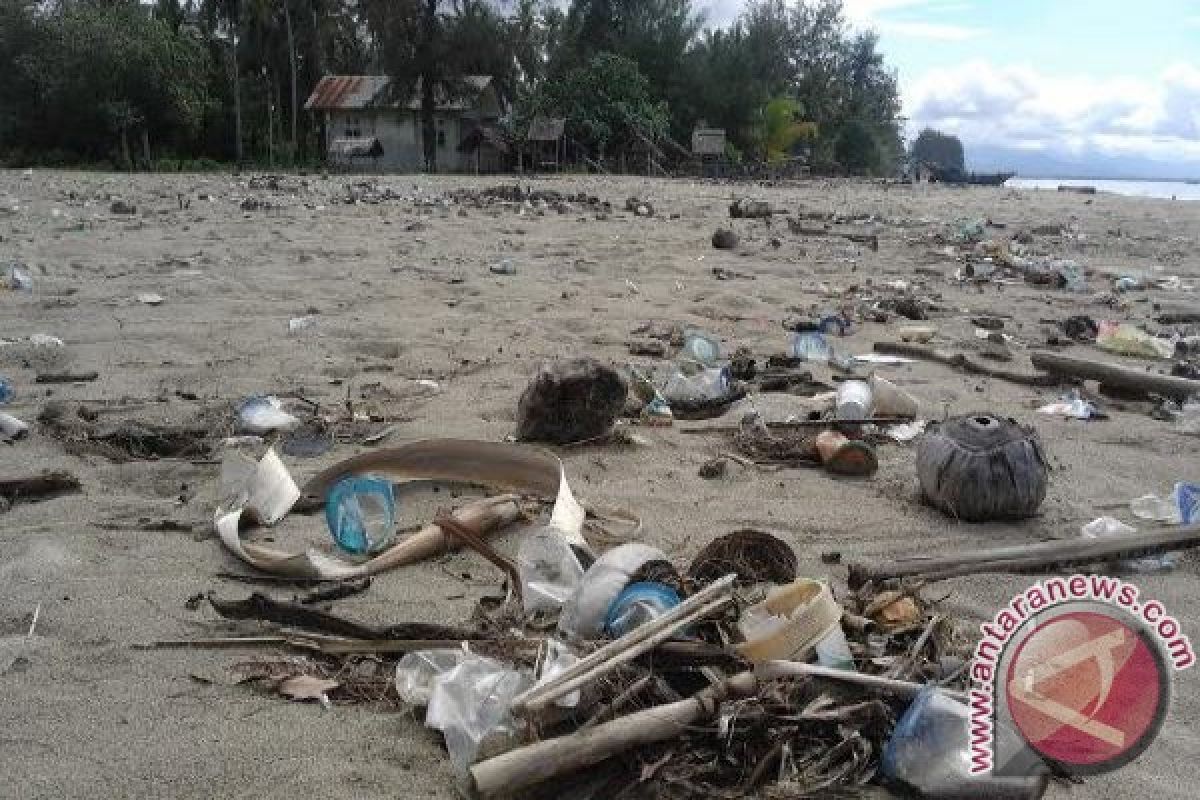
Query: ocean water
<point x="1163" y="189"/>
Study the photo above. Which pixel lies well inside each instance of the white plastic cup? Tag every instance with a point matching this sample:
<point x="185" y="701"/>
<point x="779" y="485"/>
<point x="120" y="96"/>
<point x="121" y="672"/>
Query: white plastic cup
<point x="854" y="400"/>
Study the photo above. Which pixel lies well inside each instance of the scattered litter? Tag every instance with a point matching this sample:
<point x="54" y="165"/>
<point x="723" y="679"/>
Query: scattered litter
<point x="361" y="513"/>
<point x="18" y="279"/>
<point x="1107" y="527"/>
<point x="883" y="359"/>
<point x="1181" y="507"/>
<point x="12" y="428"/>
<point x="1073" y="406"/>
<point x="301" y="324"/>
<point x="264" y="414"/>
<point x="1124" y="339"/>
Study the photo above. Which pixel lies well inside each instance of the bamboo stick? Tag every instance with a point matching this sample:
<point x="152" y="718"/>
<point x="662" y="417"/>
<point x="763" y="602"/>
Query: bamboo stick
<point x="645" y="637"/>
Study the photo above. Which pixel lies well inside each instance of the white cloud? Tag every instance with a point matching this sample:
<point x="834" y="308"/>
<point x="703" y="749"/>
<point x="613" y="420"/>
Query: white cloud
<point x="870" y="14"/>
<point x="1017" y="106"/>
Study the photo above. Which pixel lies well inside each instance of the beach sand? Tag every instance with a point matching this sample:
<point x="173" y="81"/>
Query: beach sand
<point x="403" y="294"/>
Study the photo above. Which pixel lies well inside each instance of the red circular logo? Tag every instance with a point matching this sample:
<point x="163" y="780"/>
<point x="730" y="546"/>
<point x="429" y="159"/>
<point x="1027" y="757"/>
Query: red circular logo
<point x="1087" y="690"/>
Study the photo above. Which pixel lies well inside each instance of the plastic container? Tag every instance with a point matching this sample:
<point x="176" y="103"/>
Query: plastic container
<point x="791" y="623"/>
<point x="361" y="513"/>
<point x="889" y="400"/>
<point x="929" y="751"/>
<point x="6" y="392"/>
<point x="701" y="348"/>
<point x="854" y="400"/>
<point x="587" y="609"/>
<point x="708" y="385"/>
<point x="637" y="604"/>
<point x="811" y="346"/>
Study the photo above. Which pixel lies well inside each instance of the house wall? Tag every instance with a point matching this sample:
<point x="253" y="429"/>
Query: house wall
<point x="399" y="132"/>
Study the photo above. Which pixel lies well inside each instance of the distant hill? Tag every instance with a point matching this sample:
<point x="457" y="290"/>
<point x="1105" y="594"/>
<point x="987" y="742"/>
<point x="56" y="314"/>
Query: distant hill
<point x="1043" y="164"/>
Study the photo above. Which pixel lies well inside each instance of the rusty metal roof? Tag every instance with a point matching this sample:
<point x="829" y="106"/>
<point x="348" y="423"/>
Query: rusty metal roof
<point x="334" y="92"/>
<point x="354" y="92"/>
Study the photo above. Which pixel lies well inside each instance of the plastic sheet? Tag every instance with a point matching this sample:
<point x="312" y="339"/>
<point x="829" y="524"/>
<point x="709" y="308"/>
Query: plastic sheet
<point x="549" y="569"/>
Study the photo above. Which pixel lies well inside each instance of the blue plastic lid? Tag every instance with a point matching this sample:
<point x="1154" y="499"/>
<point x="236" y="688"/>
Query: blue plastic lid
<point x="656" y="595"/>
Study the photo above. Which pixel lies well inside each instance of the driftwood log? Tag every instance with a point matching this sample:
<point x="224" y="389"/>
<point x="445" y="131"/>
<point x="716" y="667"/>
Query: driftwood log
<point x="960" y="361"/>
<point x="982" y="467"/>
<point x="528" y="766"/>
<point x="1114" y="375"/>
<point x="1037" y="557"/>
<point x="37" y="487"/>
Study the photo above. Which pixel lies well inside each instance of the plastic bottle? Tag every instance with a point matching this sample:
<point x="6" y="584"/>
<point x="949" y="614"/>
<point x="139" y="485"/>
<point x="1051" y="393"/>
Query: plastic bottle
<point x="6" y="391"/>
<point x="834" y="650"/>
<point x="929" y="751"/>
<point x="361" y="513"/>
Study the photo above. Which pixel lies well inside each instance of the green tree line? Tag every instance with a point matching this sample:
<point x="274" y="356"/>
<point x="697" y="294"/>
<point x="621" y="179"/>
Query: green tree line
<point x="146" y="83"/>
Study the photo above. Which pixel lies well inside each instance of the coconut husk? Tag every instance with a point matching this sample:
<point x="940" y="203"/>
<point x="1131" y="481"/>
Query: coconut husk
<point x="755" y="556"/>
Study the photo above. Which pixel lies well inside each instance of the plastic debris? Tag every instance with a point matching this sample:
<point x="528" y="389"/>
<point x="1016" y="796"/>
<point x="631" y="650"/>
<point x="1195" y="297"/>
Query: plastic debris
<point x="301" y="324"/>
<point x="264" y="414"/>
<point x="637" y="604"/>
<point x="1124" y="339"/>
<point x="1073" y="406"/>
<point x="549" y="569"/>
<point x="471" y="704"/>
<point x="361" y="513"/>
<point x="6" y="391"/>
<point x="12" y="428"/>
<point x="417" y="673"/>
<point x="150" y="299"/>
<point x="1181" y="507"/>
<point x="18" y="279"/>
<point x="1107" y="527"/>
<point x="701" y="348"/>
<point x="811" y="346"/>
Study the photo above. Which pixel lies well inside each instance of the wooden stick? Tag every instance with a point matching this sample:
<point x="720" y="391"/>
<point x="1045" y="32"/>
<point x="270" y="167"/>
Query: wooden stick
<point x="543" y="761"/>
<point x="1115" y="375"/>
<point x="645" y="637"/>
<point x="1041" y="555"/>
<point x="773" y="670"/>
<point x="803" y="424"/>
<point x="960" y="361"/>
<point x="66" y="377"/>
<point x="47" y="484"/>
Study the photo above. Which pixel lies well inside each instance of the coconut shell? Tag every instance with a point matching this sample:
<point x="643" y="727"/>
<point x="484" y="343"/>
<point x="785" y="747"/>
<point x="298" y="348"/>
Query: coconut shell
<point x="981" y="467"/>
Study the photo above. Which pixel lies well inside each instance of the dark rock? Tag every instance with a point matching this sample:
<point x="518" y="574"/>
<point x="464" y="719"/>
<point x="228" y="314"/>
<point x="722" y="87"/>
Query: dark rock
<point x="1081" y="328"/>
<point x="648" y="347"/>
<point x="121" y="207"/>
<point x="570" y="401"/>
<point x="724" y="239"/>
<point x="714" y="469"/>
<point x="988" y="323"/>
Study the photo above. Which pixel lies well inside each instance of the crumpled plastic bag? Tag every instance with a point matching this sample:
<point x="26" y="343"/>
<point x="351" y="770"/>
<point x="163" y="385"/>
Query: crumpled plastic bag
<point x="1124" y="339"/>
<point x="549" y="569"/>
<point x="418" y="672"/>
<point x="471" y="705"/>
<point x="559" y="658"/>
<point x="1072" y="406"/>
<point x="264" y="414"/>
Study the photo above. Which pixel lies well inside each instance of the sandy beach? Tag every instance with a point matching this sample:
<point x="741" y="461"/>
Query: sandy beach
<point x="401" y="292"/>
